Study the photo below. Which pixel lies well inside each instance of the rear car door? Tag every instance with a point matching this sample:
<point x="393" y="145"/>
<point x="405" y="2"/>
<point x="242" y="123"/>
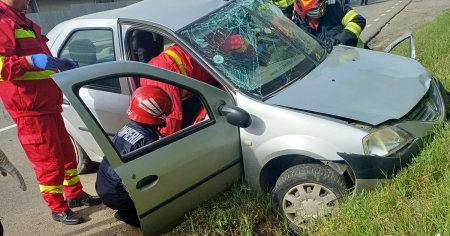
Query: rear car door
<point x="172" y="175"/>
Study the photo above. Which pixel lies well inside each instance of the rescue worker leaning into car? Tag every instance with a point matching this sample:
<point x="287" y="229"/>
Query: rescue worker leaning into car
<point x="175" y="59"/>
<point x="34" y="101"/>
<point x="332" y="21"/>
<point x="149" y="107"/>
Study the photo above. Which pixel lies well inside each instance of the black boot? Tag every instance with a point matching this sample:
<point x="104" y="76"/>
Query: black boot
<point x="83" y="200"/>
<point x="67" y="217"/>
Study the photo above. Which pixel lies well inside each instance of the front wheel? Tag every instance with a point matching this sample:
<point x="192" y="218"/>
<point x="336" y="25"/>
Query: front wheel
<point x="306" y="192"/>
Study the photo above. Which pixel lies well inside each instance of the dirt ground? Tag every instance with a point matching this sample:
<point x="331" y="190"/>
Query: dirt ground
<point x="418" y="12"/>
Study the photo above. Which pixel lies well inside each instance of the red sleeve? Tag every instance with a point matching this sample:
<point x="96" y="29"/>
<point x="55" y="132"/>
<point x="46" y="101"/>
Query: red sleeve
<point x="11" y="66"/>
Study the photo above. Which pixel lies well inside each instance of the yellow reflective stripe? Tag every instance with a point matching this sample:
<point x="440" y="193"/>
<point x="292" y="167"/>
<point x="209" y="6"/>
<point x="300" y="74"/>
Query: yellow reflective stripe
<point x="360" y="44"/>
<point x="23" y="33"/>
<point x="354" y="28"/>
<point x="36" y="75"/>
<point x="282" y="3"/>
<point x="349" y="17"/>
<point x="72" y="181"/>
<point x="177" y="60"/>
<point x="51" y="189"/>
<point x="2" y="58"/>
<point x="70" y="172"/>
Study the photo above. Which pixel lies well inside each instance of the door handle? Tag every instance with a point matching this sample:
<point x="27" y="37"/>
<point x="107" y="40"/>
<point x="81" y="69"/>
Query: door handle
<point x="147" y="182"/>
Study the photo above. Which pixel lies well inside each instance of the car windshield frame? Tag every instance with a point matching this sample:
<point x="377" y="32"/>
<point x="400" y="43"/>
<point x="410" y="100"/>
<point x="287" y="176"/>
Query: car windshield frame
<point x="254" y="46"/>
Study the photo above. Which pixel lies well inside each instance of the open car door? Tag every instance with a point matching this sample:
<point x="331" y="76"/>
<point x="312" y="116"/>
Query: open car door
<point x="173" y="175"/>
<point x="399" y="40"/>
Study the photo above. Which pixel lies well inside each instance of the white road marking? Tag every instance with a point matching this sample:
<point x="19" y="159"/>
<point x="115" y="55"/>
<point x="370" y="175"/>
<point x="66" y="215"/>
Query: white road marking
<point x="388" y="10"/>
<point x="383" y="14"/>
<point x="8" y="127"/>
<point x="393" y="7"/>
<point x="367" y="26"/>
<point x="377" y="19"/>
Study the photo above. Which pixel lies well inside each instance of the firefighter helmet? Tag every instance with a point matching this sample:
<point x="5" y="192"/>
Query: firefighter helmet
<point x="310" y="8"/>
<point x="149" y="105"/>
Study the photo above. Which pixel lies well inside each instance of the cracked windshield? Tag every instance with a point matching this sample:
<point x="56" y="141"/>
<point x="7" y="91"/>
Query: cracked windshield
<point x="254" y="46"/>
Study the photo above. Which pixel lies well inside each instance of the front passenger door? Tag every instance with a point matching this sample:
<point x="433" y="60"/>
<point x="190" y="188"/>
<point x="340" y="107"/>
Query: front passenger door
<point x="173" y="175"/>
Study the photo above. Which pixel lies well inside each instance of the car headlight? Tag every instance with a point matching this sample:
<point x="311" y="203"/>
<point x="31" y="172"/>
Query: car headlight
<point x="385" y="141"/>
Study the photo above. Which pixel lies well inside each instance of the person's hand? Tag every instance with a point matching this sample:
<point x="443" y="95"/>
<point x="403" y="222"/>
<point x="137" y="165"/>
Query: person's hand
<point x="66" y="64"/>
<point x="44" y="62"/>
<point x="331" y="41"/>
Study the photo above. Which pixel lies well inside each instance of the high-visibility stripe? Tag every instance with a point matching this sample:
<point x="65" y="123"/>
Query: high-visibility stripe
<point x="73" y="173"/>
<point x="23" y="33"/>
<point x="51" y="189"/>
<point x="72" y="181"/>
<point x="70" y="172"/>
<point x="360" y="44"/>
<point x="2" y="58"/>
<point x="354" y="28"/>
<point x="177" y="60"/>
<point x="349" y="17"/>
<point x="36" y="75"/>
<point x="282" y="3"/>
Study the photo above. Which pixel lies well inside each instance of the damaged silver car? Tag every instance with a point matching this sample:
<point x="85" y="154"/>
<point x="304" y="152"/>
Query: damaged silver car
<point x="305" y="122"/>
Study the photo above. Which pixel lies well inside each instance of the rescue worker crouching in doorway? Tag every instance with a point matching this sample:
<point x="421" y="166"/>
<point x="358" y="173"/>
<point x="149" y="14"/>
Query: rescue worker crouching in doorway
<point x="332" y="21"/>
<point x="33" y="100"/>
<point x="149" y="107"/>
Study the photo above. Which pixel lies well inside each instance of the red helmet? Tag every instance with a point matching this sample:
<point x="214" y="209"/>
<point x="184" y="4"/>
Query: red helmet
<point x="311" y="8"/>
<point x="149" y="105"/>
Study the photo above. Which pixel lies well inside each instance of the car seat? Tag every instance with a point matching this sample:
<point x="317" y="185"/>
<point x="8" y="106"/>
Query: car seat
<point x="83" y="51"/>
<point x="146" y="45"/>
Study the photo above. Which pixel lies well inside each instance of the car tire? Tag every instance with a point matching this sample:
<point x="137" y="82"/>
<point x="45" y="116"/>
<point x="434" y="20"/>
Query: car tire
<point x="85" y="165"/>
<point x="305" y="192"/>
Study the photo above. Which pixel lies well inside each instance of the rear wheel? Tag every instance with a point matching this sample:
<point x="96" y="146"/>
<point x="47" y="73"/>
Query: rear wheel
<point x="306" y="192"/>
<point x="85" y="165"/>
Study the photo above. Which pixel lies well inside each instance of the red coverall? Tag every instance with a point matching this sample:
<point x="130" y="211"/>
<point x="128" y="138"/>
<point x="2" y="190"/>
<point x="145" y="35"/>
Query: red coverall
<point x="186" y="66"/>
<point x="34" y="101"/>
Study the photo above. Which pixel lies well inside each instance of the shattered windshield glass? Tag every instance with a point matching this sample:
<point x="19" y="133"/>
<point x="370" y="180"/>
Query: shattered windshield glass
<point x="254" y="46"/>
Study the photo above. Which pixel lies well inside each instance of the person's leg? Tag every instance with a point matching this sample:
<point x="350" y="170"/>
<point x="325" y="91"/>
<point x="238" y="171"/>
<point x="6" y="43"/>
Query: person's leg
<point x="36" y="134"/>
<point x="127" y="213"/>
<point x="72" y="187"/>
<point x="39" y="139"/>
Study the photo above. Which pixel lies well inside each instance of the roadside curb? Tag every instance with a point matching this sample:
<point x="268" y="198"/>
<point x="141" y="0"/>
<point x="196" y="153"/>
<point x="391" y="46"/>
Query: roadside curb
<point x="373" y="32"/>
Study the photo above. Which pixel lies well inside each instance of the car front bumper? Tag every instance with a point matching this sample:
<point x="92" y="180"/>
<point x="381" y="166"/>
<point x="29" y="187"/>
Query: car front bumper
<point x="372" y="170"/>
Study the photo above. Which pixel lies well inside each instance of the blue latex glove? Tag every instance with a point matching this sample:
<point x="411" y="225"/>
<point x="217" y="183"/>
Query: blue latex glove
<point x="44" y="62"/>
<point x="66" y="64"/>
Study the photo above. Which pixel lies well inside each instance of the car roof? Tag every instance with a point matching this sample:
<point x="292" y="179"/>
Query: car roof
<point x="173" y="14"/>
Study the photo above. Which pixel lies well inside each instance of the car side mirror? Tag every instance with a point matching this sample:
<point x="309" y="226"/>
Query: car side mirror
<point x="235" y="116"/>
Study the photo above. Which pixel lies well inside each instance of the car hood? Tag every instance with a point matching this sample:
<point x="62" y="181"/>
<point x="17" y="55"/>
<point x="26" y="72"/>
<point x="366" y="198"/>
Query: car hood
<point x="357" y="84"/>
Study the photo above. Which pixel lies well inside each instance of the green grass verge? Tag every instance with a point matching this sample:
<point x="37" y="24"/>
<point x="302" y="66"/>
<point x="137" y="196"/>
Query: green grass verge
<point x="417" y="202"/>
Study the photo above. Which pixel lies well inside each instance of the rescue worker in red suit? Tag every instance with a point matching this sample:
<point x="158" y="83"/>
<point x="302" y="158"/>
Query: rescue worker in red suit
<point x="33" y="100"/>
<point x="332" y="21"/>
<point x="175" y="59"/>
<point x="149" y="107"/>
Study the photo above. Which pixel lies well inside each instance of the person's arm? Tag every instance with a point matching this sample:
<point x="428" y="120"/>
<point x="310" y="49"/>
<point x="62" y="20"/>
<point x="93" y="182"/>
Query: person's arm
<point x="353" y="24"/>
<point x="11" y="66"/>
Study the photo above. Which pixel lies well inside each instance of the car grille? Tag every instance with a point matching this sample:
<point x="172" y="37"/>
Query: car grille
<point x="430" y="108"/>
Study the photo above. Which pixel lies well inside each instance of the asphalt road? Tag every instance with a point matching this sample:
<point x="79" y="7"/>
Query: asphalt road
<point x="25" y="213"/>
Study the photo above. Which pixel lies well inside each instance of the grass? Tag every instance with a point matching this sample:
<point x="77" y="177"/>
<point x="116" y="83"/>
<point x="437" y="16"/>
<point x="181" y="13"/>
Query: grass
<point x="416" y="202"/>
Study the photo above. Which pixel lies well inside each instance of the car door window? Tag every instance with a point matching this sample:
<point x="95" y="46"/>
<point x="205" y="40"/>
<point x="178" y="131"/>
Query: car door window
<point x="93" y="46"/>
<point x="188" y="114"/>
